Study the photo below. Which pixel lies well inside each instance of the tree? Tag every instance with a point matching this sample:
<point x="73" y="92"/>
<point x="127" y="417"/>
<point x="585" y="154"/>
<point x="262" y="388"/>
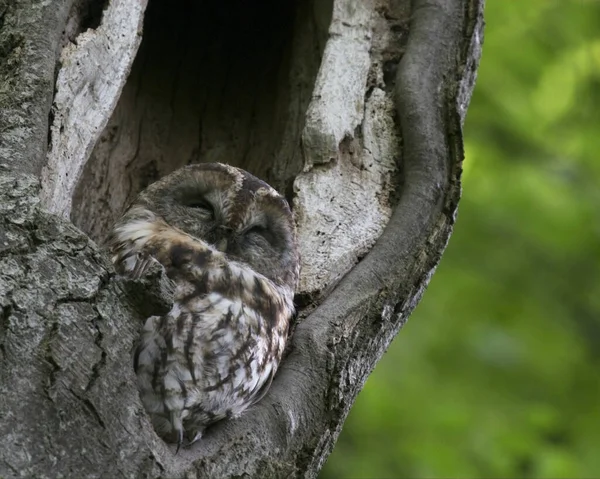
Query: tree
<point x="354" y="109"/>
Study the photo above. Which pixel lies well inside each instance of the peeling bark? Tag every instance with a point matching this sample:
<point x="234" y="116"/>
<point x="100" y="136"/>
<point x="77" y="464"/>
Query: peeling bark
<point x="90" y="79"/>
<point x="353" y="109"/>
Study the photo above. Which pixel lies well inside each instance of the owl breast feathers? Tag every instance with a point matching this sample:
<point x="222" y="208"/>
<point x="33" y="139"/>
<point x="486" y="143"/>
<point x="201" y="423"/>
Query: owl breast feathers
<point x="228" y="242"/>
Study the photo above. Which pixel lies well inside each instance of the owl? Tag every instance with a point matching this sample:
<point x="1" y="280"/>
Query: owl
<point x="227" y="241"/>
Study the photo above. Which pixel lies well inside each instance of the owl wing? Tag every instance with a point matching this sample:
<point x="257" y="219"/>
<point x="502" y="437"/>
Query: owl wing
<point x="141" y="237"/>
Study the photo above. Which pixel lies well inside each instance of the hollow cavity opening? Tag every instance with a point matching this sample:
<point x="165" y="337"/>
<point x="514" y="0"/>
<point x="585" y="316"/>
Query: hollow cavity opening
<point x="212" y="81"/>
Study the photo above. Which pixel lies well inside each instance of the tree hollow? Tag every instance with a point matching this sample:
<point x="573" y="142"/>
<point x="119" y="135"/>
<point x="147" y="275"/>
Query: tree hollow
<point x="212" y="81"/>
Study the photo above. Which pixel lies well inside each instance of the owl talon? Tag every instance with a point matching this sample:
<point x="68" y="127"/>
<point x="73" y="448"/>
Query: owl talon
<point x="196" y="438"/>
<point x="179" y="440"/>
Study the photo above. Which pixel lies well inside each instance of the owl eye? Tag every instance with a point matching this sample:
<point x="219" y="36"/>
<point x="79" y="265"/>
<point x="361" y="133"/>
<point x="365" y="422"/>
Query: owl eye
<point x="256" y="229"/>
<point x="261" y="231"/>
<point x="200" y="204"/>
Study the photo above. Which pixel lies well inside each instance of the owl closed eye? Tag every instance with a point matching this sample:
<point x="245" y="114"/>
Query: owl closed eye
<point x="202" y="208"/>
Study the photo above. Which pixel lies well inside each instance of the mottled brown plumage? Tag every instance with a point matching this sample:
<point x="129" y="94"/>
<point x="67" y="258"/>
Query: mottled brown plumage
<point x="228" y="242"/>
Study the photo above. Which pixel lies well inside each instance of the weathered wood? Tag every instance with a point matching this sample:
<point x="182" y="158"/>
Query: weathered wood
<point x="91" y="76"/>
<point x="351" y="145"/>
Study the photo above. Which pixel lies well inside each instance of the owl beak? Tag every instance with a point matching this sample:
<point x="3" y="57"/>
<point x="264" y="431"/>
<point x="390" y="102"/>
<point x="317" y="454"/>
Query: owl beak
<point x="221" y="245"/>
<point x="223" y="234"/>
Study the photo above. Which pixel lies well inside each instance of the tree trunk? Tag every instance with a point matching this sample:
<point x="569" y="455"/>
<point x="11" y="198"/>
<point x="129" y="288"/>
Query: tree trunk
<point x="352" y="109"/>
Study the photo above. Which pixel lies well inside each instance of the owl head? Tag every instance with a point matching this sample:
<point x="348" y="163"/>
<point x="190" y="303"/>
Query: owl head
<point x="233" y="211"/>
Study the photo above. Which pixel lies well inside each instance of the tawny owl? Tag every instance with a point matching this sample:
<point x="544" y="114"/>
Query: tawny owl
<point x="228" y="242"/>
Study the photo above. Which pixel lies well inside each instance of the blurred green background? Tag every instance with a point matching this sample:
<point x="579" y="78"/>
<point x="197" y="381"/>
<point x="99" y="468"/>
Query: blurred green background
<point x="497" y="373"/>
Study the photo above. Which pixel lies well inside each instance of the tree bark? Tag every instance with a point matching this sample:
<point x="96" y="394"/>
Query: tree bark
<point x="353" y="109"/>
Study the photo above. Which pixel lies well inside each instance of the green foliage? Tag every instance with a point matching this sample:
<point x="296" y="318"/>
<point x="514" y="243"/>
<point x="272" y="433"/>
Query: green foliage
<point x="497" y="374"/>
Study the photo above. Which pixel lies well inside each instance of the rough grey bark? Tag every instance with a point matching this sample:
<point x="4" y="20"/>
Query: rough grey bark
<point x="290" y="108"/>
